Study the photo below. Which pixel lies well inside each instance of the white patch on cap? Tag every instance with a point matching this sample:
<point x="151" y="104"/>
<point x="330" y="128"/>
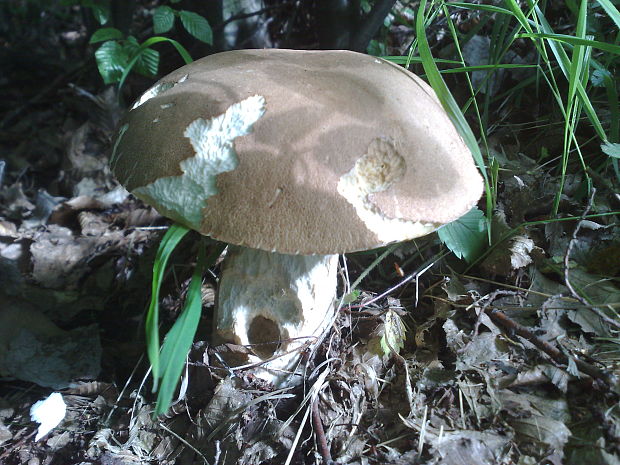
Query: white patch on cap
<point x="183" y="198"/>
<point x="378" y="170"/>
<point x="157" y="89"/>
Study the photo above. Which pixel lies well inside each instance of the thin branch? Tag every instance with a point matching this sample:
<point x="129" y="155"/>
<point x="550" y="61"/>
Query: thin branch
<point x="321" y="440"/>
<point x="501" y="319"/>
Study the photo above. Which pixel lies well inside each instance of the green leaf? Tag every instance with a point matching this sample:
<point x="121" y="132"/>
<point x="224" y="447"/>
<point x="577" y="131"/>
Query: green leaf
<point x="180" y="337"/>
<point x="394" y="333"/>
<point x="197" y="26"/>
<point x="465" y="237"/>
<point x="102" y="13"/>
<point x="111" y="60"/>
<point x="351" y="297"/>
<point x="163" y="19"/>
<point x="142" y="59"/>
<point x="100" y="8"/>
<point x="611" y="149"/>
<point x="147" y="63"/>
<point x="376" y="48"/>
<point x="105" y="33"/>
<point x="168" y="243"/>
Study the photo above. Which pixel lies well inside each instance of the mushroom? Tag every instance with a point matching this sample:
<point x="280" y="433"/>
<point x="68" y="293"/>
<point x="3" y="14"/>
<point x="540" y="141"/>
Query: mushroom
<point x="293" y="157"/>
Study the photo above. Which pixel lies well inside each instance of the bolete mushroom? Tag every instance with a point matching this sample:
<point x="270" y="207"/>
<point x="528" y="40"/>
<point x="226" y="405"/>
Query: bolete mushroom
<point x="293" y="157"/>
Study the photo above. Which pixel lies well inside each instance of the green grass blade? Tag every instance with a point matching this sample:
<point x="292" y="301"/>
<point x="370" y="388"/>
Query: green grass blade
<point x="498" y="66"/>
<point x="611" y="10"/>
<point x="105" y="33"/>
<point x="564" y="64"/>
<point x="448" y="102"/>
<point x="168" y="243"/>
<point x="579" y="67"/>
<point x="180" y="337"/>
<point x="576" y="41"/>
<point x="187" y="58"/>
<point x="145" y="45"/>
<point x="487" y="8"/>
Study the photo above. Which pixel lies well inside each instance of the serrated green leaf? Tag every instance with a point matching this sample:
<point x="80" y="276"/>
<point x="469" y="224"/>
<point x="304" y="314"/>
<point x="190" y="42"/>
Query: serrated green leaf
<point x="147" y="63"/>
<point x="100" y="9"/>
<point x="102" y="13"/>
<point x="142" y="59"/>
<point x="197" y="26"/>
<point x="163" y="19"/>
<point x="612" y="149"/>
<point x="167" y="245"/>
<point x="111" y="60"/>
<point x="105" y="33"/>
<point x="467" y="236"/>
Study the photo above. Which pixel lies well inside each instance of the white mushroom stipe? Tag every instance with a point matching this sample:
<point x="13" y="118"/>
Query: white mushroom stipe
<point x="276" y="304"/>
<point x="378" y="170"/>
<point x="183" y="198"/>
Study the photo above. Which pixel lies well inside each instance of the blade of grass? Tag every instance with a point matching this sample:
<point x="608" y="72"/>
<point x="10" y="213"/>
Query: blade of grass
<point x="564" y="63"/>
<point x="611" y="10"/>
<point x="146" y="44"/>
<point x="487" y="8"/>
<point x="168" y="243"/>
<point x="180" y="337"/>
<point x="576" y="41"/>
<point x="579" y="67"/>
<point x="370" y="267"/>
<point x="448" y="102"/>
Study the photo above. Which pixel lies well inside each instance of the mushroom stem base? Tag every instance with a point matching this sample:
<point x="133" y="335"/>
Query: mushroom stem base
<point x="275" y="304"/>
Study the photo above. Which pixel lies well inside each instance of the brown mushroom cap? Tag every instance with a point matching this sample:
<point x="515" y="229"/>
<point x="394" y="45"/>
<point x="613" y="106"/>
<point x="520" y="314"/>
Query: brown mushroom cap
<point x="348" y="144"/>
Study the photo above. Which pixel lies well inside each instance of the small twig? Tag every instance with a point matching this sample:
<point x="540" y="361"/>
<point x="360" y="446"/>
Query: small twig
<point x="415" y="275"/>
<point x="597" y="311"/>
<point x="489" y="301"/>
<point x="501" y="319"/>
<point x="321" y="440"/>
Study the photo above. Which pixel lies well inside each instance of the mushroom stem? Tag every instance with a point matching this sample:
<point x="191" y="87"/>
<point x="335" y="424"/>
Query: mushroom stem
<point x="276" y="304"/>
